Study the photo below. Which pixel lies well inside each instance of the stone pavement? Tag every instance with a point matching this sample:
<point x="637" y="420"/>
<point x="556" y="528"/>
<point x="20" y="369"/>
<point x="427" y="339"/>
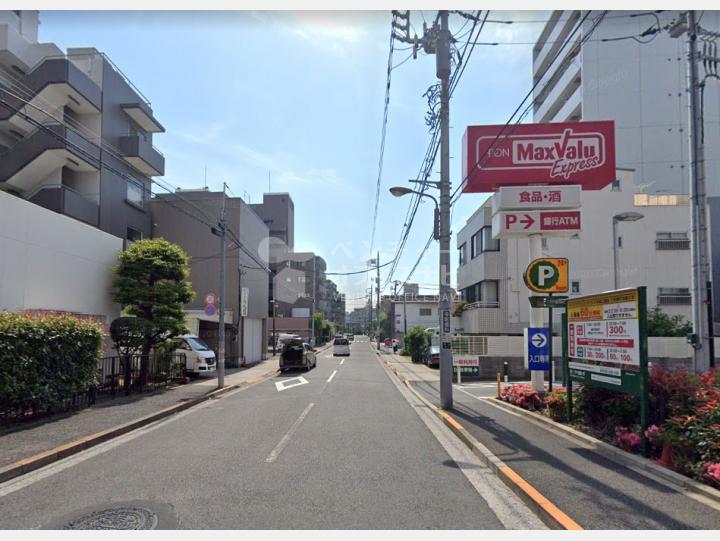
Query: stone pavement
<point x="27" y="439"/>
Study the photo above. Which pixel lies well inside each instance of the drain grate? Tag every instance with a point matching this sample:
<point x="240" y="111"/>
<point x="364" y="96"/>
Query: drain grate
<point x="120" y="518"/>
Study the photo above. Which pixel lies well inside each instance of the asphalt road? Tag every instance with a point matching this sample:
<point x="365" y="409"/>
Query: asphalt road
<point x="344" y="447"/>
<point x="594" y="491"/>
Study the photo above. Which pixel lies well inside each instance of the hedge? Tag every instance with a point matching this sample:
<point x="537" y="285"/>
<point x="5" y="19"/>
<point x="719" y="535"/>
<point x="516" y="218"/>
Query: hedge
<point x="45" y="360"/>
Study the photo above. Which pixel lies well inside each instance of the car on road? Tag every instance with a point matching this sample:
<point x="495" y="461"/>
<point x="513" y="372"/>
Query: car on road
<point x="341" y="346"/>
<point x="297" y="354"/>
<point x="199" y="358"/>
<point x="286" y="337"/>
<point x="432" y="358"/>
<point x="350" y="337"/>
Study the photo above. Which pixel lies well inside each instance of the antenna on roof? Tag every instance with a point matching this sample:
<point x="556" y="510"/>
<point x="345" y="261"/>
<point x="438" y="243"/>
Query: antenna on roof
<point x="206" y="176"/>
<point x="269" y="190"/>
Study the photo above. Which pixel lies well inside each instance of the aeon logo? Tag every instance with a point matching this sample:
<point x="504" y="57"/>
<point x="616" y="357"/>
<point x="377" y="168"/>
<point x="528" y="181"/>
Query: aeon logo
<point x="564" y="154"/>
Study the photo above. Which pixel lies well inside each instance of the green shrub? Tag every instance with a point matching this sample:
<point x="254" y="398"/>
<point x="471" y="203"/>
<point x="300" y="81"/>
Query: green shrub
<point x="45" y="360"/>
<point x="417" y="343"/>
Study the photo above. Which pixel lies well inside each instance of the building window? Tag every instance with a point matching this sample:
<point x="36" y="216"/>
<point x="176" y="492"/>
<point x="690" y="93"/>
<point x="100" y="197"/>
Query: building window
<point x="619" y="241"/>
<point x="615" y="185"/>
<point x="672" y="240"/>
<point x="669" y="296"/>
<point x="135" y="193"/>
<point x="474" y="246"/>
<point x="462" y="253"/>
<point x="488" y="243"/>
<point x="489" y="292"/>
<point x="133" y="235"/>
<point x="575" y="286"/>
<point x="470" y="294"/>
<point x="425" y="311"/>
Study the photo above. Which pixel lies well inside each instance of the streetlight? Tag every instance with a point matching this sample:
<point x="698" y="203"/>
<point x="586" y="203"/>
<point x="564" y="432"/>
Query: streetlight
<point x="399" y="191"/>
<point x="622" y="217"/>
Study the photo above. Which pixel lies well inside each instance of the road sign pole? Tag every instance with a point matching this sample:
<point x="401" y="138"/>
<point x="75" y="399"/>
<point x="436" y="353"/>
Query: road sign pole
<point x="550" y="346"/>
<point x="644" y="390"/>
<point x="566" y="369"/>
<point x="537" y="377"/>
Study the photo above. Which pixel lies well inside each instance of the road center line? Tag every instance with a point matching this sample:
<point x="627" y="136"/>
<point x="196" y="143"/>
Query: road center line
<point x="341" y="362"/>
<point x="272" y="457"/>
<point x="332" y="376"/>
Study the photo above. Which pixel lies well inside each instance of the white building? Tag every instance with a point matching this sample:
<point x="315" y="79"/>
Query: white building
<point x="654" y="252"/>
<point x="641" y="86"/>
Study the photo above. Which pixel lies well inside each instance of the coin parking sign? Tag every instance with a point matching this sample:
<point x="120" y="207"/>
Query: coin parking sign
<point x="547" y="275"/>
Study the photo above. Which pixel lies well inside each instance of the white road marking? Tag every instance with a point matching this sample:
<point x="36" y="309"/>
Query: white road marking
<point x="283" y="385"/>
<point x="507" y="507"/>
<point x="332" y="376"/>
<point x="341" y="362"/>
<point x="272" y="457"/>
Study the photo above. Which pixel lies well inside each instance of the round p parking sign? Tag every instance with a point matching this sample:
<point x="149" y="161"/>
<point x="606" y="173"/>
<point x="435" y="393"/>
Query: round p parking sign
<point x="547" y="275"/>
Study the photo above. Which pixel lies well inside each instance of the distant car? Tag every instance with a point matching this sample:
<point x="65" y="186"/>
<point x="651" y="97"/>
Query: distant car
<point x="350" y="337"/>
<point x="341" y="346"/>
<point x="297" y="354"/>
<point x="433" y="357"/>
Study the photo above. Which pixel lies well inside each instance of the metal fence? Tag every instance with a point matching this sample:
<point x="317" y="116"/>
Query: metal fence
<point x="115" y="375"/>
<point x="124" y="373"/>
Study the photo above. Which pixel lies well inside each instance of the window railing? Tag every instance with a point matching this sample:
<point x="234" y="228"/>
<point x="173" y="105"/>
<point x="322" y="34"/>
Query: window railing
<point x="674" y="299"/>
<point x="672" y="244"/>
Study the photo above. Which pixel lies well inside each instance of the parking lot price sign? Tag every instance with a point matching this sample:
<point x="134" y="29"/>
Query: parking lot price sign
<point x="468" y="365"/>
<point x="606" y="345"/>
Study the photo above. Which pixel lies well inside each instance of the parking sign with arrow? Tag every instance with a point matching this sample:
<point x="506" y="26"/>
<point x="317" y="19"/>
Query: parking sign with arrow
<point x="538" y="348"/>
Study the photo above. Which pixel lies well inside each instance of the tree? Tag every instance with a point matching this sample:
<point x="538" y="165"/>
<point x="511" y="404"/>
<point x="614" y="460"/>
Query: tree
<point x="317" y="326"/>
<point x="384" y="326"/>
<point x="151" y="283"/>
<point x="661" y="324"/>
<point x="417" y="342"/>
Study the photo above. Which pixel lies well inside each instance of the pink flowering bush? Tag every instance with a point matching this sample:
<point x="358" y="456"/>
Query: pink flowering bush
<point x="626" y="440"/>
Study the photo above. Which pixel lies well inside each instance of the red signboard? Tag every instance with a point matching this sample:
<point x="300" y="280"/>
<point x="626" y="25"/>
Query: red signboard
<point x="528" y="222"/>
<point x="553" y="153"/>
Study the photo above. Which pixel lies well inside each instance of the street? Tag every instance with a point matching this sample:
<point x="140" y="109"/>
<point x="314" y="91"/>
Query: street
<point x="350" y="448"/>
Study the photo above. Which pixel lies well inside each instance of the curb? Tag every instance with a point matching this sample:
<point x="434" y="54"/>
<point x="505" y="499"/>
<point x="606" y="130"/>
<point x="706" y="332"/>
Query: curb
<point x="548" y="512"/>
<point x="32" y="463"/>
<point x="615" y="454"/>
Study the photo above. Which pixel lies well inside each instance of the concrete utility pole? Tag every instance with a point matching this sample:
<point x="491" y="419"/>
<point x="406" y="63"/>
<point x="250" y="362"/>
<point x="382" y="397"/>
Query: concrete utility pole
<point x="377" y="293"/>
<point x="222" y="230"/>
<point x="396" y="283"/>
<point x="312" y="314"/>
<point x="700" y="275"/>
<point x="442" y="57"/>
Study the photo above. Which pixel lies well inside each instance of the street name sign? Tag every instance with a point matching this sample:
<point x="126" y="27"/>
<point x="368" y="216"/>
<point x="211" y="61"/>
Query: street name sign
<point x="533" y="222"/>
<point x="580" y="153"/>
<point x="547" y="275"/>
<point x="605" y="342"/>
<point x="538" y="348"/>
<point x="536" y="197"/>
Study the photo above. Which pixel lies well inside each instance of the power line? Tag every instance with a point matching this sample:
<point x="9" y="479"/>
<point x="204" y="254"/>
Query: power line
<point x="383" y="134"/>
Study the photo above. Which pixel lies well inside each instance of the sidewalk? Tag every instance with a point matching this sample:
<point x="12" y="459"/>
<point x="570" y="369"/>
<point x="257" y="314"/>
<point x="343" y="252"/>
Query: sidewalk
<point x="24" y="440"/>
<point x="596" y="492"/>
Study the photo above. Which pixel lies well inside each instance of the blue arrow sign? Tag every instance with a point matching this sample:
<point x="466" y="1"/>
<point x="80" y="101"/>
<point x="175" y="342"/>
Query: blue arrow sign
<point x="538" y="348"/>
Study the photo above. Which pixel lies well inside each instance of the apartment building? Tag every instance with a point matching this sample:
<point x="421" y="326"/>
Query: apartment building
<point x="245" y="267"/>
<point x="640" y="84"/>
<point x="654" y="252"/>
<point x="75" y="133"/>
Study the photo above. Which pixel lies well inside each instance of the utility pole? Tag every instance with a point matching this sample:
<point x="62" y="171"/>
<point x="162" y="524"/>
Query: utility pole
<point x="698" y="216"/>
<point x="312" y="314"/>
<point x="221" y="232"/>
<point x="241" y="319"/>
<point x="442" y="57"/>
<point x="377" y="293"/>
<point x="396" y="283"/>
<point x="700" y="275"/>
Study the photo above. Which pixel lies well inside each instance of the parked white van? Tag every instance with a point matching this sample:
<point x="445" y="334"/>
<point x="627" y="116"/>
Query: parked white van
<point x="199" y="358"/>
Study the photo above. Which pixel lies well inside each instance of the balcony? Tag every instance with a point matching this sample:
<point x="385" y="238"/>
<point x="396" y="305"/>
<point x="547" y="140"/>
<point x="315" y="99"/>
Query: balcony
<point x="47" y="149"/>
<point x="54" y="81"/>
<point x="65" y="200"/>
<point x="141" y="113"/>
<point x="140" y="153"/>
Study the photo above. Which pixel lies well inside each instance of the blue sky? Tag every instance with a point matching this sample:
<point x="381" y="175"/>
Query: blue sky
<point x="300" y="95"/>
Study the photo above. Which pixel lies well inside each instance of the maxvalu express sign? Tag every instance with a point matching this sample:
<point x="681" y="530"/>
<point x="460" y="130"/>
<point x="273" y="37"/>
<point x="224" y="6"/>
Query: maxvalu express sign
<point x="552" y="153"/>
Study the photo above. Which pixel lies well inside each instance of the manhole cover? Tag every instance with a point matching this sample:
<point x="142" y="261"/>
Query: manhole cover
<point x="120" y="518"/>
